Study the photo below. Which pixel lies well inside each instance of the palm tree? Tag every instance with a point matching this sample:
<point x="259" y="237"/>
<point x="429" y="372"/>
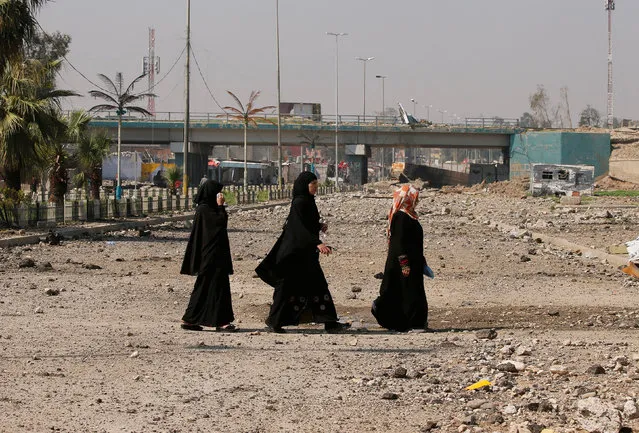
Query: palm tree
<point x="29" y="118"/>
<point x="59" y="158"/>
<point x="17" y="25"/>
<point x="246" y="115"/>
<point x="119" y="100"/>
<point x="91" y="151"/>
<point x="172" y="176"/>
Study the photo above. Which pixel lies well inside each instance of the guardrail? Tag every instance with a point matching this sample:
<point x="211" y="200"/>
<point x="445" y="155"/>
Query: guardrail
<point x="303" y="119"/>
<point x="136" y="203"/>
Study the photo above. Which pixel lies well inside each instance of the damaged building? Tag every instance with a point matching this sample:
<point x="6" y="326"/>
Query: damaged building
<point x="555" y="179"/>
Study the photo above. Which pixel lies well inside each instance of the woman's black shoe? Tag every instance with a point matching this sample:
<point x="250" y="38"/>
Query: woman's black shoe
<point x="336" y="327"/>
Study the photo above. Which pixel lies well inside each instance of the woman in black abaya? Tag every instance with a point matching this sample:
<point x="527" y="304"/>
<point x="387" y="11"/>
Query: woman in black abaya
<point x="208" y="256"/>
<point x="402" y="304"/>
<point x="292" y="266"/>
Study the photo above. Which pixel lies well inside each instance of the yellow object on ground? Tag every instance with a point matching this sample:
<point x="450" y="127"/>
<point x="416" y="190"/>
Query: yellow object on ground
<point x="480" y="384"/>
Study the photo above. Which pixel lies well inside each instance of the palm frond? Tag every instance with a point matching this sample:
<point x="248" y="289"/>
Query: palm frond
<point x="103" y="95"/>
<point x="128" y="89"/>
<point x="237" y="100"/>
<point x="109" y="83"/>
<point x="103" y="107"/>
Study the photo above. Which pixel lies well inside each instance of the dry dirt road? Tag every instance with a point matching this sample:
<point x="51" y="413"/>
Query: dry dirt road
<point x="106" y="353"/>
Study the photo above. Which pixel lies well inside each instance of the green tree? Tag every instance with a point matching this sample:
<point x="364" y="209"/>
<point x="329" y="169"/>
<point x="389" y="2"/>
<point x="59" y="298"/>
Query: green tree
<point x="47" y="47"/>
<point x="92" y="148"/>
<point x="247" y="115"/>
<point x="29" y="118"/>
<point x="17" y="26"/>
<point x="120" y="100"/>
<point x="172" y="176"/>
<point x="540" y="106"/>
<point x="60" y="156"/>
<point x="589" y="116"/>
<point x="527" y="121"/>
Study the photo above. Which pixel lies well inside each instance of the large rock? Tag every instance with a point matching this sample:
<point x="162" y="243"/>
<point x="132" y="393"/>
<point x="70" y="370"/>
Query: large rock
<point x="598" y="417"/>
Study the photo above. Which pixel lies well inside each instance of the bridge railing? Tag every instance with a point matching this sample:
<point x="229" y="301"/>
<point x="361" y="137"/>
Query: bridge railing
<point x="304" y="119"/>
<point x="495" y="122"/>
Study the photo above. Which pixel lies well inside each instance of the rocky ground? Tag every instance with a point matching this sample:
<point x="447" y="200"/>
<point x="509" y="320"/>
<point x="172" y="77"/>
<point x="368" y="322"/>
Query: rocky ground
<point x="90" y="337"/>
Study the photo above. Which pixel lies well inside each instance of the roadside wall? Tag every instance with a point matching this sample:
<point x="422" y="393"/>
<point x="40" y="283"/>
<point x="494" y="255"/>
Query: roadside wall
<point x="558" y="147"/>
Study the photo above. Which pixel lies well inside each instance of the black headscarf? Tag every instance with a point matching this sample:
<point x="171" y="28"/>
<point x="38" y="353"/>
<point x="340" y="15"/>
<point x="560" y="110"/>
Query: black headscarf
<point x="300" y="187"/>
<point x="208" y="245"/>
<point x="207" y="193"/>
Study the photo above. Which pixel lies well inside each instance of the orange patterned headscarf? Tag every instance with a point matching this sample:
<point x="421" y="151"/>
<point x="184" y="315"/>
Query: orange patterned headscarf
<point x="404" y="200"/>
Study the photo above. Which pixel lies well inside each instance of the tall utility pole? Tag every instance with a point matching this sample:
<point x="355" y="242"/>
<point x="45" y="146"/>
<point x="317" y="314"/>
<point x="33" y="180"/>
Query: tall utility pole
<point x="610" y="6"/>
<point x="364" y="60"/>
<point x="337" y="35"/>
<point x="383" y="78"/>
<point x="151" y="66"/>
<point x="279" y="114"/>
<point x="187" y="101"/>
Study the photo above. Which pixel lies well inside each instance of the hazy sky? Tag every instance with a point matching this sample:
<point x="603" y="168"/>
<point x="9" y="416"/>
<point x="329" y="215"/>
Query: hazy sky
<point x="469" y="57"/>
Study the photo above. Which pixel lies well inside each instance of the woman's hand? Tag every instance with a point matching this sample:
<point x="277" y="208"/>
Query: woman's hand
<point x="323" y="227"/>
<point x="324" y="249"/>
<point x="220" y="199"/>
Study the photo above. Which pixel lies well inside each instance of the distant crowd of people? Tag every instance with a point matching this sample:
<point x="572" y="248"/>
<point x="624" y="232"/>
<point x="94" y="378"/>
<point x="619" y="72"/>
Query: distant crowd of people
<point x="292" y="267"/>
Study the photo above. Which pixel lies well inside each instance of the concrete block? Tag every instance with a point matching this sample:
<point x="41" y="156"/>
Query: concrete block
<point x="570" y="200"/>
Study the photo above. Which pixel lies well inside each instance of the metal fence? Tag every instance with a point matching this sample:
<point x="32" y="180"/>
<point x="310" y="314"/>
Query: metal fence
<point x="136" y="203"/>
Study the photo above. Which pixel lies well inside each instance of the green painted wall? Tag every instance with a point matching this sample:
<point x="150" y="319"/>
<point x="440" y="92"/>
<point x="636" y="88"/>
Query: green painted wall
<point x="556" y="147"/>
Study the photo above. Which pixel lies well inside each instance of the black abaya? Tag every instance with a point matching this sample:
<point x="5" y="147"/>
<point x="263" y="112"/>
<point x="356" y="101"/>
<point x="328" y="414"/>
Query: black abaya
<point x="208" y="255"/>
<point x="402" y="304"/>
<point x="292" y="266"/>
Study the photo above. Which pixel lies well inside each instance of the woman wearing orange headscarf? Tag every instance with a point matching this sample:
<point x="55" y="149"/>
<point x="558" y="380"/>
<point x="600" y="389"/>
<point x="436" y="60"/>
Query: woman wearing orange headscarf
<point x="402" y="304"/>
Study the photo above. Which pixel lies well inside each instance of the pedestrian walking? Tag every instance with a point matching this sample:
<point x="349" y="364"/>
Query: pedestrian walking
<point x="401" y="304"/>
<point x="208" y="256"/>
<point x="293" y="269"/>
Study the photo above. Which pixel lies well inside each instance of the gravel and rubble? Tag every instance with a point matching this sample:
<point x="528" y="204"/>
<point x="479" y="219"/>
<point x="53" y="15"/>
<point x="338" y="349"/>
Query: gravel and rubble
<point x="90" y="337"/>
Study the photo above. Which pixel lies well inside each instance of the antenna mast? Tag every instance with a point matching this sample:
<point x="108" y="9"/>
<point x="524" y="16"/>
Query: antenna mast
<point x="610" y="6"/>
<point x="151" y="66"/>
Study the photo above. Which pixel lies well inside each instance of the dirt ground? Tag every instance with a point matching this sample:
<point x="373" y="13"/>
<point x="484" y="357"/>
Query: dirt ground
<point x="106" y="353"/>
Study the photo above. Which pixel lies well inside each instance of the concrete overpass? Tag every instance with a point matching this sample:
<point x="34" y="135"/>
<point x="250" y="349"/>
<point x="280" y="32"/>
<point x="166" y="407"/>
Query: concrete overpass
<point x="374" y="133"/>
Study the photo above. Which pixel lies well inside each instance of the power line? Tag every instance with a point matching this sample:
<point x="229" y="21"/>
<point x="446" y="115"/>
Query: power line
<point x="102" y="88"/>
<point x="205" y="83"/>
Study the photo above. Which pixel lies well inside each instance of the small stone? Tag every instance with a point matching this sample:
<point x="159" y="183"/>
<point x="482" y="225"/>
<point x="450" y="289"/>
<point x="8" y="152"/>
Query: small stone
<point x="524" y="259"/>
<point x="400" y="373"/>
<point x="356" y="289"/>
<point x="135" y="354"/>
<point x="560" y="370"/>
<point x="27" y="263"/>
<point x="509" y="410"/>
<point x="523" y="351"/>
<point x="91" y="266"/>
<point x="379" y="276"/>
<point x="430" y="425"/>
<point x="353" y="342"/>
<point x="39" y="310"/>
<point x="511" y="366"/>
<point x="630" y="410"/>
<point x="476" y="404"/>
<point x="596" y="369"/>
<point x="52" y="291"/>
<point x="390" y="396"/>
<point x="486" y="334"/>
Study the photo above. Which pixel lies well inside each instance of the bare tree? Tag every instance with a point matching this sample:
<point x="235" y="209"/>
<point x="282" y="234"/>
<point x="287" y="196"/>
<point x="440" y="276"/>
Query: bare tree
<point x="540" y="106"/>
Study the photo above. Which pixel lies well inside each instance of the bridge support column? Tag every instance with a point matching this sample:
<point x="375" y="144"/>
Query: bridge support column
<point x="357" y="158"/>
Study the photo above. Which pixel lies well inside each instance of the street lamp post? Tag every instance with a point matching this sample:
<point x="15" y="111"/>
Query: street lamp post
<point x="442" y="113"/>
<point x="414" y="107"/>
<point x="428" y="107"/>
<point x="337" y="35"/>
<point x="364" y="60"/>
<point x="279" y="101"/>
<point x="383" y="78"/>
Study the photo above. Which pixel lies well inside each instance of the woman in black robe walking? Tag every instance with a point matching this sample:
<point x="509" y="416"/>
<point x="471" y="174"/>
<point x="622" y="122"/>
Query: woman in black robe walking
<point x="292" y="266"/>
<point x="208" y="256"/>
<point x="402" y="304"/>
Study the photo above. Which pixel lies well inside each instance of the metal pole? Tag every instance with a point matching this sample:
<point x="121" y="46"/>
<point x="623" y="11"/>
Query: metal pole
<point x="383" y="105"/>
<point x="364" y="59"/>
<point x="337" y="35"/>
<point x="187" y="84"/>
<point x="610" y="6"/>
<point x="279" y="115"/>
